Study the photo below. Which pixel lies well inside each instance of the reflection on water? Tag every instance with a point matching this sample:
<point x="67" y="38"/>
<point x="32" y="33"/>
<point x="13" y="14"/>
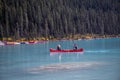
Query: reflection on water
<point x="60" y="58"/>
<point x="64" y="66"/>
<point x="54" y="53"/>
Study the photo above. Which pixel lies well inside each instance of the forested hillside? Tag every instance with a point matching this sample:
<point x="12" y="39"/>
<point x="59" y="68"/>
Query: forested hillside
<point x="58" y="18"/>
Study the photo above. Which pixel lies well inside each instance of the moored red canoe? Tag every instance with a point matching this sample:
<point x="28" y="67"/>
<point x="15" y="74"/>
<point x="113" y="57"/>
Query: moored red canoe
<point x="32" y="42"/>
<point x="11" y="43"/>
<point x="1" y="43"/>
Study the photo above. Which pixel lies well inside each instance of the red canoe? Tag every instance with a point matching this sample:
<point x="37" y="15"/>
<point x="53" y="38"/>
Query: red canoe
<point x="67" y="50"/>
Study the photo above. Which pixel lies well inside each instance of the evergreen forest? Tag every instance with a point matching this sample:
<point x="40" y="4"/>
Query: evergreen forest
<point x="58" y="18"/>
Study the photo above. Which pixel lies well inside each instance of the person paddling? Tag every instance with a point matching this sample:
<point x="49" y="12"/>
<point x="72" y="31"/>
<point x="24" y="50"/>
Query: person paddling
<point x="75" y="47"/>
<point x="58" y="47"/>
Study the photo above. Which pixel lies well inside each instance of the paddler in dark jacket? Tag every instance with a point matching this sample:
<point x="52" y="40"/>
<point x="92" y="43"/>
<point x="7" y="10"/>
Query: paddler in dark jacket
<point x="58" y="47"/>
<point x="75" y="47"/>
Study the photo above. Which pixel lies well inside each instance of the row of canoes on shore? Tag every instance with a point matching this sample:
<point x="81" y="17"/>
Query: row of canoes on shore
<point x="17" y="43"/>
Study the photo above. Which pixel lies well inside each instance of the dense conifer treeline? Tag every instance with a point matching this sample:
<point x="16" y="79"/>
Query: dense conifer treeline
<point x="58" y="18"/>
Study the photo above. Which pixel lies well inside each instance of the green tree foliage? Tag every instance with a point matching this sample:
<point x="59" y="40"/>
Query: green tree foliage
<point x="58" y="18"/>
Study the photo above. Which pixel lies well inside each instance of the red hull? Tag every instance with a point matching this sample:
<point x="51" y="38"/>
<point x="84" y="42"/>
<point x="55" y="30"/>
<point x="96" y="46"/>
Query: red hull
<point x="78" y="50"/>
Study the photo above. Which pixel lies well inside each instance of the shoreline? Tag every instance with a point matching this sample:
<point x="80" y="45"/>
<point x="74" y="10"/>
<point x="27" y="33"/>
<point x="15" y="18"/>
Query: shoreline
<point x="86" y="37"/>
<point x="69" y="37"/>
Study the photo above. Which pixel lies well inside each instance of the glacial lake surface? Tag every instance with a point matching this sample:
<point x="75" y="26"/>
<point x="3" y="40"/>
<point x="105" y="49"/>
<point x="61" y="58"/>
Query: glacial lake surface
<point x="99" y="61"/>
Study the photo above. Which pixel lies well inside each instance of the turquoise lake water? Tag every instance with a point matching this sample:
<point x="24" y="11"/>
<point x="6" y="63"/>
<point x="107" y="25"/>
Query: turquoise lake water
<point x="100" y="61"/>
